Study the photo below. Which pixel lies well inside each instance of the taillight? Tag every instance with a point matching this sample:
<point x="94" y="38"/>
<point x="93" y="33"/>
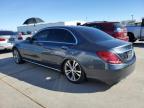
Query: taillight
<point x="109" y="57"/>
<point x="118" y="32"/>
<point x="20" y="38"/>
<point x="121" y="33"/>
<point x="2" y="39"/>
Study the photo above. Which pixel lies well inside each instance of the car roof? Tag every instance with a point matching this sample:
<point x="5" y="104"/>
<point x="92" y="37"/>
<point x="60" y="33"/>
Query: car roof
<point x="65" y="27"/>
<point x="5" y="31"/>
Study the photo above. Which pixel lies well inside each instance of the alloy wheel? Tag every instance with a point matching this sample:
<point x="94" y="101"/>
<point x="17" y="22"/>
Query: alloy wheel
<point x="72" y="70"/>
<point x="16" y="56"/>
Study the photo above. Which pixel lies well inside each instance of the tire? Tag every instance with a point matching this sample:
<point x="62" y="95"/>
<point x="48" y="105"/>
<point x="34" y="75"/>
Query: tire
<point x="17" y="57"/>
<point x="74" y="72"/>
<point x="131" y="38"/>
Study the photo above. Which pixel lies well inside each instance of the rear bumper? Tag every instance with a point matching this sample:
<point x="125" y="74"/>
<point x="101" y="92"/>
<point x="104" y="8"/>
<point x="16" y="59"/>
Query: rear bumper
<point x="113" y="75"/>
<point x="124" y="38"/>
<point x="6" y="46"/>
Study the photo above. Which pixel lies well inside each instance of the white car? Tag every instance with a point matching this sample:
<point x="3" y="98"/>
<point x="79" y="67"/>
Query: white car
<point x="136" y="32"/>
<point x="24" y="35"/>
<point x="8" y="39"/>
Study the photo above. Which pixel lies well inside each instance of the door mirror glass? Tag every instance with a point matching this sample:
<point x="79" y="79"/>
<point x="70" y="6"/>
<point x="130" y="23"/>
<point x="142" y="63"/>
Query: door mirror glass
<point x="30" y="39"/>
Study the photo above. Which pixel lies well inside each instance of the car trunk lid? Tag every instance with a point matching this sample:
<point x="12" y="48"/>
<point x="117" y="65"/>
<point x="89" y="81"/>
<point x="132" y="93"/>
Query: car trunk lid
<point x="7" y="39"/>
<point x="124" y="50"/>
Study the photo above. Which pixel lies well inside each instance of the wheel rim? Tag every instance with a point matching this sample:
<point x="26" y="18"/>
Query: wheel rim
<point x="16" y="56"/>
<point x="72" y="70"/>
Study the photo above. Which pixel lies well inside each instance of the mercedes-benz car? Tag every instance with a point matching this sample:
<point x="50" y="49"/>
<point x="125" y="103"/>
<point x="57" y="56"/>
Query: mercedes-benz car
<point x="78" y="52"/>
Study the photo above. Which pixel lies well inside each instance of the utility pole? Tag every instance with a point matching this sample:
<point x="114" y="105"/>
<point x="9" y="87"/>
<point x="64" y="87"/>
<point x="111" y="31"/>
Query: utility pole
<point x="132" y="17"/>
<point x="86" y="18"/>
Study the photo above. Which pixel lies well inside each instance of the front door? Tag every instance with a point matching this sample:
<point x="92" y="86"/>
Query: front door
<point x="58" y="46"/>
<point x="32" y="50"/>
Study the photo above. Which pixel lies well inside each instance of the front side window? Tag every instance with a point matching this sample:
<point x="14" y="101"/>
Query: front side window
<point x="118" y="25"/>
<point x="60" y="35"/>
<point x="41" y="36"/>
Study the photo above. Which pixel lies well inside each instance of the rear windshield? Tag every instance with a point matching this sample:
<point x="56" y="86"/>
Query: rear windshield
<point x="106" y="26"/>
<point x="93" y="34"/>
<point x="102" y="26"/>
<point x="5" y="33"/>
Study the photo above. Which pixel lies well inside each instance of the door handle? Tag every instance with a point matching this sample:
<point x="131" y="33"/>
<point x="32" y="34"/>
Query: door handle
<point x="48" y="50"/>
<point x="40" y="44"/>
<point x="64" y="48"/>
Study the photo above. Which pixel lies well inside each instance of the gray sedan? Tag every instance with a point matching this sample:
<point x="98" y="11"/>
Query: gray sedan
<point x="79" y="53"/>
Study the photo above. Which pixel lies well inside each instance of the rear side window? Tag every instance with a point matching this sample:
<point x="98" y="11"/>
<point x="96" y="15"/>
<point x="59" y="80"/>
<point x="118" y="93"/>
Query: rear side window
<point x="138" y="24"/>
<point x="60" y="35"/>
<point x="5" y="33"/>
<point x="118" y="25"/>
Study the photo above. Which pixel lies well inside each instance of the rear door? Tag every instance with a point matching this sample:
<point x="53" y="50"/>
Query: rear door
<point x="32" y="50"/>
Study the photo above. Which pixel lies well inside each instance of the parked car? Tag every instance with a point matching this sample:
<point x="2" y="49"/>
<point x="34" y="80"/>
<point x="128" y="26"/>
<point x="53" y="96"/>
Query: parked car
<point x="24" y="35"/>
<point x="115" y="29"/>
<point x="7" y="39"/>
<point x="136" y="32"/>
<point x="80" y="52"/>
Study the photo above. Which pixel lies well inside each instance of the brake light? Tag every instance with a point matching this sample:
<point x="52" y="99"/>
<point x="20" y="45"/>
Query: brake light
<point x="2" y="39"/>
<point x="121" y="33"/>
<point x="20" y="36"/>
<point x="118" y="32"/>
<point x="109" y="57"/>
